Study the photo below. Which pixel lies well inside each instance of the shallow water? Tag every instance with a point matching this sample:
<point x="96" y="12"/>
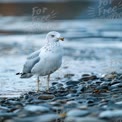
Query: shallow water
<point x="91" y="46"/>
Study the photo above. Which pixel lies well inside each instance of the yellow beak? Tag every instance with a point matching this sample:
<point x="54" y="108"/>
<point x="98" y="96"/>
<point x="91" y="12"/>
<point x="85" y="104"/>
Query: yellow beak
<point x="61" y="38"/>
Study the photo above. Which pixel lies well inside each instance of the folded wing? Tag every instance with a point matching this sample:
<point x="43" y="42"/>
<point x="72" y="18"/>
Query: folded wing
<point x="32" y="59"/>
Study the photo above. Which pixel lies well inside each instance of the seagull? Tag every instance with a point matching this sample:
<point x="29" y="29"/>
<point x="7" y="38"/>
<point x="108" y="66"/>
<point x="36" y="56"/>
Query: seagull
<point x="44" y="61"/>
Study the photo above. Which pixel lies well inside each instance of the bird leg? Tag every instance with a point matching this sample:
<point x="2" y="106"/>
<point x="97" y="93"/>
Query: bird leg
<point x="48" y="80"/>
<point x="38" y="84"/>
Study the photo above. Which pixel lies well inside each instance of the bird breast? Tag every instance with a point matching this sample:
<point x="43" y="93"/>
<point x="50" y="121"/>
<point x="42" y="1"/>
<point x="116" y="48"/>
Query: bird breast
<point x="50" y="60"/>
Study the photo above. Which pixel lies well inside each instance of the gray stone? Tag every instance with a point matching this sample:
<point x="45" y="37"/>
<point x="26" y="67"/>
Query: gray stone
<point x="115" y="82"/>
<point x="77" y="113"/>
<point x="119" y="103"/>
<point x="48" y="118"/>
<point x="3" y="109"/>
<point x="111" y="114"/>
<point x="7" y="115"/>
<point x="88" y="77"/>
<point x="46" y="97"/>
<point x="110" y="76"/>
<point x="83" y="119"/>
<point x="9" y="120"/>
<point x="36" y="108"/>
<point x="42" y="118"/>
<point x="116" y="85"/>
<point x="104" y="84"/>
<point x="96" y="81"/>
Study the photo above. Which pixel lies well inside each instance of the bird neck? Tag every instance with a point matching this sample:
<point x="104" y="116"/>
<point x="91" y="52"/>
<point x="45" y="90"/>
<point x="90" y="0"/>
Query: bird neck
<point x="52" y="43"/>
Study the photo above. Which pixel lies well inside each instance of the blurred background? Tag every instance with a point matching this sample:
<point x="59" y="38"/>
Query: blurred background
<point x="92" y="30"/>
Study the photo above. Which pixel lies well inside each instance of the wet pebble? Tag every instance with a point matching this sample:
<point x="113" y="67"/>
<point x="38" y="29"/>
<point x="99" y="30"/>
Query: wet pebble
<point x="77" y="113"/>
<point x="3" y="108"/>
<point x="110" y="76"/>
<point x="105" y="84"/>
<point x="71" y="105"/>
<point x="115" y="82"/>
<point x="54" y="83"/>
<point x="111" y="114"/>
<point x="119" y="103"/>
<point x="97" y="81"/>
<point x="41" y="118"/>
<point x="116" y="85"/>
<point x="7" y="115"/>
<point x="48" y="118"/>
<point x="87" y="77"/>
<point x="36" y="108"/>
<point x="73" y="83"/>
<point x="68" y="75"/>
<point x="46" y="96"/>
<point x="83" y="119"/>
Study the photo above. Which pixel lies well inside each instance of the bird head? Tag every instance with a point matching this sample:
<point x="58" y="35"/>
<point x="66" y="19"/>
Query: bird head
<point x="54" y="36"/>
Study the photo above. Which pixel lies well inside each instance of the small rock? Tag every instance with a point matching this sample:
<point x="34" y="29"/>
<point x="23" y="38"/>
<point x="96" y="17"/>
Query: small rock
<point x="77" y="113"/>
<point x="116" y="85"/>
<point x="48" y="118"/>
<point x="41" y="118"/>
<point x="68" y="75"/>
<point x="46" y="96"/>
<point x="105" y="84"/>
<point x="12" y="102"/>
<point x="88" y="77"/>
<point x="36" y="108"/>
<point x="3" y="108"/>
<point x="97" y="81"/>
<point x="119" y="103"/>
<point x="54" y="83"/>
<point x="71" y="105"/>
<point x="72" y="82"/>
<point x="110" y="76"/>
<point x="115" y="82"/>
<point x="7" y="115"/>
<point x="83" y="119"/>
<point x="83" y="107"/>
<point x="111" y="114"/>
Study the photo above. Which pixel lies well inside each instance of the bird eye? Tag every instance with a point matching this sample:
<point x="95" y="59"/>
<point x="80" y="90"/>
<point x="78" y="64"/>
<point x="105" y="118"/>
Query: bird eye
<point x="52" y="35"/>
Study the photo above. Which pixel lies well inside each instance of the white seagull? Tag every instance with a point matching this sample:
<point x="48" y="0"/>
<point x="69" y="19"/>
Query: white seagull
<point x="45" y="61"/>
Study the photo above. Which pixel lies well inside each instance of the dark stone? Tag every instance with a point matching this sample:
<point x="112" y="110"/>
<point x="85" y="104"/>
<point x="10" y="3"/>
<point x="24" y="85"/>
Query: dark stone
<point x="46" y="97"/>
<point x="88" y="77"/>
<point x="68" y="75"/>
<point x="72" y="83"/>
<point x="8" y="115"/>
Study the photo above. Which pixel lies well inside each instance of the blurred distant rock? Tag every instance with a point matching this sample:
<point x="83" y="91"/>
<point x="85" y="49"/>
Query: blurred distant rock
<point x="8" y="1"/>
<point x="61" y="9"/>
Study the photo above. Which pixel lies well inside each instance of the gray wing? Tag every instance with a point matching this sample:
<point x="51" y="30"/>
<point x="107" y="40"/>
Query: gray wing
<point x="29" y="64"/>
<point x="34" y="55"/>
<point x="32" y="59"/>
